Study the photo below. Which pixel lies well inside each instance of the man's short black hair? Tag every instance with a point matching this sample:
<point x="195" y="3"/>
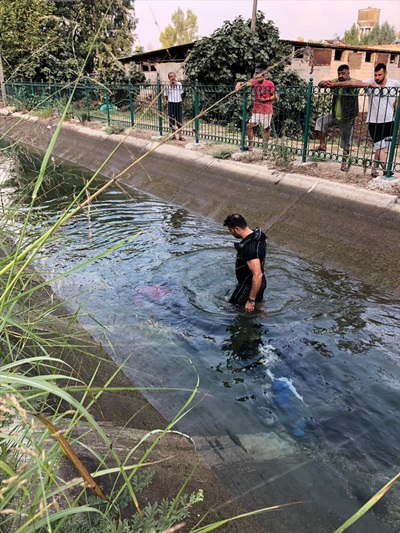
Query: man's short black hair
<point x="343" y="67"/>
<point x="235" y="221"/>
<point x="380" y="66"/>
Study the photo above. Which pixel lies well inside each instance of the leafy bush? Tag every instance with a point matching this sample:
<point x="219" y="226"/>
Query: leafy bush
<point x="114" y="129"/>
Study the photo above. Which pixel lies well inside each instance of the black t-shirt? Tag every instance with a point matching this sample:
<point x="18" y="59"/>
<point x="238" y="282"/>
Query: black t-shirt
<point x="254" y="246"/>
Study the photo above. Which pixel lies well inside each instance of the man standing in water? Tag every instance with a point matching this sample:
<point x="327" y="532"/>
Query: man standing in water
<point x="250" y="259"/>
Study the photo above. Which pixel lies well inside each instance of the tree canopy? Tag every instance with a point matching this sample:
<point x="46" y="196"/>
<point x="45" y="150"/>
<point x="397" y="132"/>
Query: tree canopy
<point x="53" y="39"/>
<point x="380" y="34"/>
<point x="184" y="29"/>
<point x="234" y="50"/>
<point x="232" y="53"/>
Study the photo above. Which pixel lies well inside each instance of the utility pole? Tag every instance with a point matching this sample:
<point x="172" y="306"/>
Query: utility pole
<point x="2" y="84"/>
<point x="254" y="16"/>
<point x="253" y="28"/>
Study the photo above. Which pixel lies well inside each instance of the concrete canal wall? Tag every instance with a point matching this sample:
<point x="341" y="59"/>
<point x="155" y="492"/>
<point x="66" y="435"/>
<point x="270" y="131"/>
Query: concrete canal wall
<point x="339" y="225"/>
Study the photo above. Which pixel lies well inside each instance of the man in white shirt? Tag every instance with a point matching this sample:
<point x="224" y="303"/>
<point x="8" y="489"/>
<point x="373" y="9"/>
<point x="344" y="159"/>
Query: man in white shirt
<point x="174" y="95"/>
<point x="383" y="102"/>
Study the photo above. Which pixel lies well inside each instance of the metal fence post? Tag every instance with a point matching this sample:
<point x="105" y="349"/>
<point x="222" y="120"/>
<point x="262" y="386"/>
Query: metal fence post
<point x="87" y="100"/>
<point x="159" y="99"/>
<point x="244" y="118"/>
<point x="21" y="91"/>
<point x="2" y="84"/>
<point x="131" y="111"/>
<point x="393" y="142"/>
<point x="196" y="110"/>
<point x="307" y="120"/>
<point x="44" y="101"/>
<point x="56" y="95"/>
<point x="108" y="109"/>
<point x="69" y="109"/>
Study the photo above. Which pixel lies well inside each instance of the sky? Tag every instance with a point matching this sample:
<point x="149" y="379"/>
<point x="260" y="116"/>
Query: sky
<point x="309" y="19"/>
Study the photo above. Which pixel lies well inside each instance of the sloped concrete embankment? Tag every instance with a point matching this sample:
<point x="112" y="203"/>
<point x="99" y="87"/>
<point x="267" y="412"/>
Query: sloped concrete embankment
<point x="338" y="225"/>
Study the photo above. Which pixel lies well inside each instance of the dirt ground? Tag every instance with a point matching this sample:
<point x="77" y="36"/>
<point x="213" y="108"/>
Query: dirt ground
<point x="316" y="166"/>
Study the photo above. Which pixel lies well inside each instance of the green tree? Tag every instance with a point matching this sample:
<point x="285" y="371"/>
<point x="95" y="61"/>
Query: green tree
<point x="184" y="29"/>
<point x="380" y="34"/>
<point x="54" y="39"/>
<point x="234" y="50"/>
<point x="25" y="33"/>
<point x="352" y="36"/>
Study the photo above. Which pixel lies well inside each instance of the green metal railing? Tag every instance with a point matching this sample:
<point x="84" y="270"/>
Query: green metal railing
<point x="218" y="114"/>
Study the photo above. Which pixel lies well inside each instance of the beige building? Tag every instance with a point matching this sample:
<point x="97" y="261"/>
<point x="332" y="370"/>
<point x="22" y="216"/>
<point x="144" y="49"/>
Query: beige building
<point x="320" y="61"/>
<point x="310" y="60"/>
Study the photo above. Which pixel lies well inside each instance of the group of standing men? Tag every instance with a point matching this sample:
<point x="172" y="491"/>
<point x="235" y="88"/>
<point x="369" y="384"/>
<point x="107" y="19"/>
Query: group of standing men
<point x="264" y="95"/>
<point x="383" y="99"/>
<point x="383" y="94"/>
<point x="381" y="90"/>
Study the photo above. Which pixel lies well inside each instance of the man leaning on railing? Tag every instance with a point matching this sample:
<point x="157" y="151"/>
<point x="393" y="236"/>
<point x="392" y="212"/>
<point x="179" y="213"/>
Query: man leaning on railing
<point x="343" y="114"/>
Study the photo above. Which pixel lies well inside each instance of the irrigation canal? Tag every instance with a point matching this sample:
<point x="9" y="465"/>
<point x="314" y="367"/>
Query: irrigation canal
<point x="297" y="402"/>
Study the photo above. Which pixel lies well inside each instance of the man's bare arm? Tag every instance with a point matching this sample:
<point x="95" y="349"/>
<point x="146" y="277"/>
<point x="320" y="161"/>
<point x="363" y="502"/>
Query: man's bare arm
<point x="255" y="267"/>
<point x="349" y="83"/>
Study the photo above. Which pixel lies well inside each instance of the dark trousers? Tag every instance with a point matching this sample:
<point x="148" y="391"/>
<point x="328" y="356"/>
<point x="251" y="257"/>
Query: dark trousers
<point x="242" y="292"/>
<point x="175" y="115"/>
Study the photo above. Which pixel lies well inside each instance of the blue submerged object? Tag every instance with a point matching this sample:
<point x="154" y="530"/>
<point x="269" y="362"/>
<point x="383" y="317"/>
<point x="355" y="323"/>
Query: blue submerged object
<point x="289" y="402"/>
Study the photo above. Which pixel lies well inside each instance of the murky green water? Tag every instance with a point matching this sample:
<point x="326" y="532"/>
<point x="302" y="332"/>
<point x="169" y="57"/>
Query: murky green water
<point x="318" y="367"/>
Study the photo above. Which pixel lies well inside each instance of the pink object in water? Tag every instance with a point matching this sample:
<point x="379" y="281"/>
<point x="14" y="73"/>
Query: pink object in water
<point x="152" y="293"/>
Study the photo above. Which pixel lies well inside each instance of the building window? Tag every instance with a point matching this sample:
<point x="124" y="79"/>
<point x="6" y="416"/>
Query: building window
<point x="298" y="52"/>
<point x="392" y="58"/>
<point x="146" y="67"/>
<point x="322" y="57"/>
<point x="354" y="60"/>
<point x="368" y="57"/>
<point x="338" y="55"/>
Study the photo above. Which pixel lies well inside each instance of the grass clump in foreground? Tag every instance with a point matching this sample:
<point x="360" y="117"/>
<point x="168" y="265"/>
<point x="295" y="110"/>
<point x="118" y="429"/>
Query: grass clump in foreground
<point x="43" y="400"/>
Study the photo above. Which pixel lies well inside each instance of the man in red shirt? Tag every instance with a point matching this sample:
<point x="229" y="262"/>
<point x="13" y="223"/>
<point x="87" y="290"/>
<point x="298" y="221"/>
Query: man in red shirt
<point x="264" y="95"/>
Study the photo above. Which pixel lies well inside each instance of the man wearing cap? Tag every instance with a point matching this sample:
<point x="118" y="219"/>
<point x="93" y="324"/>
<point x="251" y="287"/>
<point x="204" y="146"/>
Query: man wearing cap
<point x="264" y="95"/>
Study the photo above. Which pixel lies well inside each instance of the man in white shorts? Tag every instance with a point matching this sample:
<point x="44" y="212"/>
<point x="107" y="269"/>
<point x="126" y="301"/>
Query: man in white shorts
<point x="264" y="95"/>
